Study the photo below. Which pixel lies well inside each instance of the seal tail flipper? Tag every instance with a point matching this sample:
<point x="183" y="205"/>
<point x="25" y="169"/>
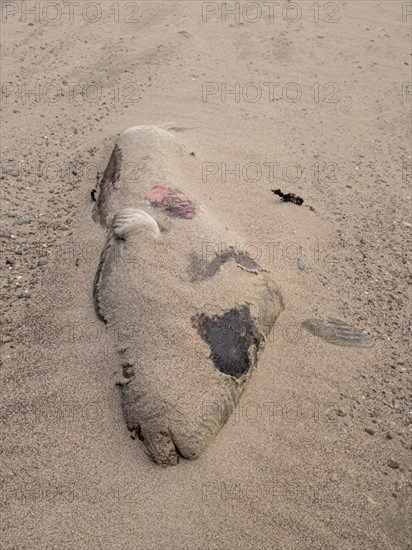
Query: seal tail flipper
<point x="338" y="332"/>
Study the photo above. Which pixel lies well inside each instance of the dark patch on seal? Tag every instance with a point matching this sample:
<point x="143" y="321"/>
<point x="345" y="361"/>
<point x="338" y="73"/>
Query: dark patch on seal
<point x="110" y="178"/>
<point x="173" y="201"/>
<point x="242" y="259"/>
<point x="97" y="281"/>
<point x="200" y="269"/>
<point x="233" y="338"/>
<point x="112" y="173"/>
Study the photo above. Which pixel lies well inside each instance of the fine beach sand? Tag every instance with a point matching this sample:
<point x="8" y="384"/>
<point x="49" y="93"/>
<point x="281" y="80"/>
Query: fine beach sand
<point x="317" y="453"/>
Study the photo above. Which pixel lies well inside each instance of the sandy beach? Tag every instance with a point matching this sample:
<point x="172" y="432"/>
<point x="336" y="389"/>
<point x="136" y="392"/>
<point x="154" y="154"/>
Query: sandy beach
<point x="313" y="98"/>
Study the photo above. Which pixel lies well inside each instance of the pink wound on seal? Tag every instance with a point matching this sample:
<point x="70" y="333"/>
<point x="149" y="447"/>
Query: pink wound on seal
<point x="173" y="201"/>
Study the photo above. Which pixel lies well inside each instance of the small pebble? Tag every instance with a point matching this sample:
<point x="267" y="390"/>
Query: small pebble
<point x="393" y="464"/>
<point x="370" y="431"/>
<point x="301" y="264"/>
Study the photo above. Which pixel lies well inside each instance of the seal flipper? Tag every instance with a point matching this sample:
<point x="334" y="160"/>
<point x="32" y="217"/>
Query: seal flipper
<point x="127" y="220"/>
<point x="159" y="446"/>
<point x="338" y="332"/>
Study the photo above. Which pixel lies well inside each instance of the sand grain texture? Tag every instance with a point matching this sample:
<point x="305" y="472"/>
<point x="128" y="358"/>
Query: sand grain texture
<point x="294" y="467"/>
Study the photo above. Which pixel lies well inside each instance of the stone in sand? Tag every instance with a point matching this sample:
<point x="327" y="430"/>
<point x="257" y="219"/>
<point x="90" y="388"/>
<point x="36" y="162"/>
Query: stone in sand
<point x="196" y="323"/>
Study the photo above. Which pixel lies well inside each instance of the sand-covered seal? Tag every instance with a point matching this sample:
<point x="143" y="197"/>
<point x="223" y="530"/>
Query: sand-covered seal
<point x="196" y="322"/>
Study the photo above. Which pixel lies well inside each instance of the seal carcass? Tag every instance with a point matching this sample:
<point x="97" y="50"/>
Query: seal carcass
<point x="194" y="315"/>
